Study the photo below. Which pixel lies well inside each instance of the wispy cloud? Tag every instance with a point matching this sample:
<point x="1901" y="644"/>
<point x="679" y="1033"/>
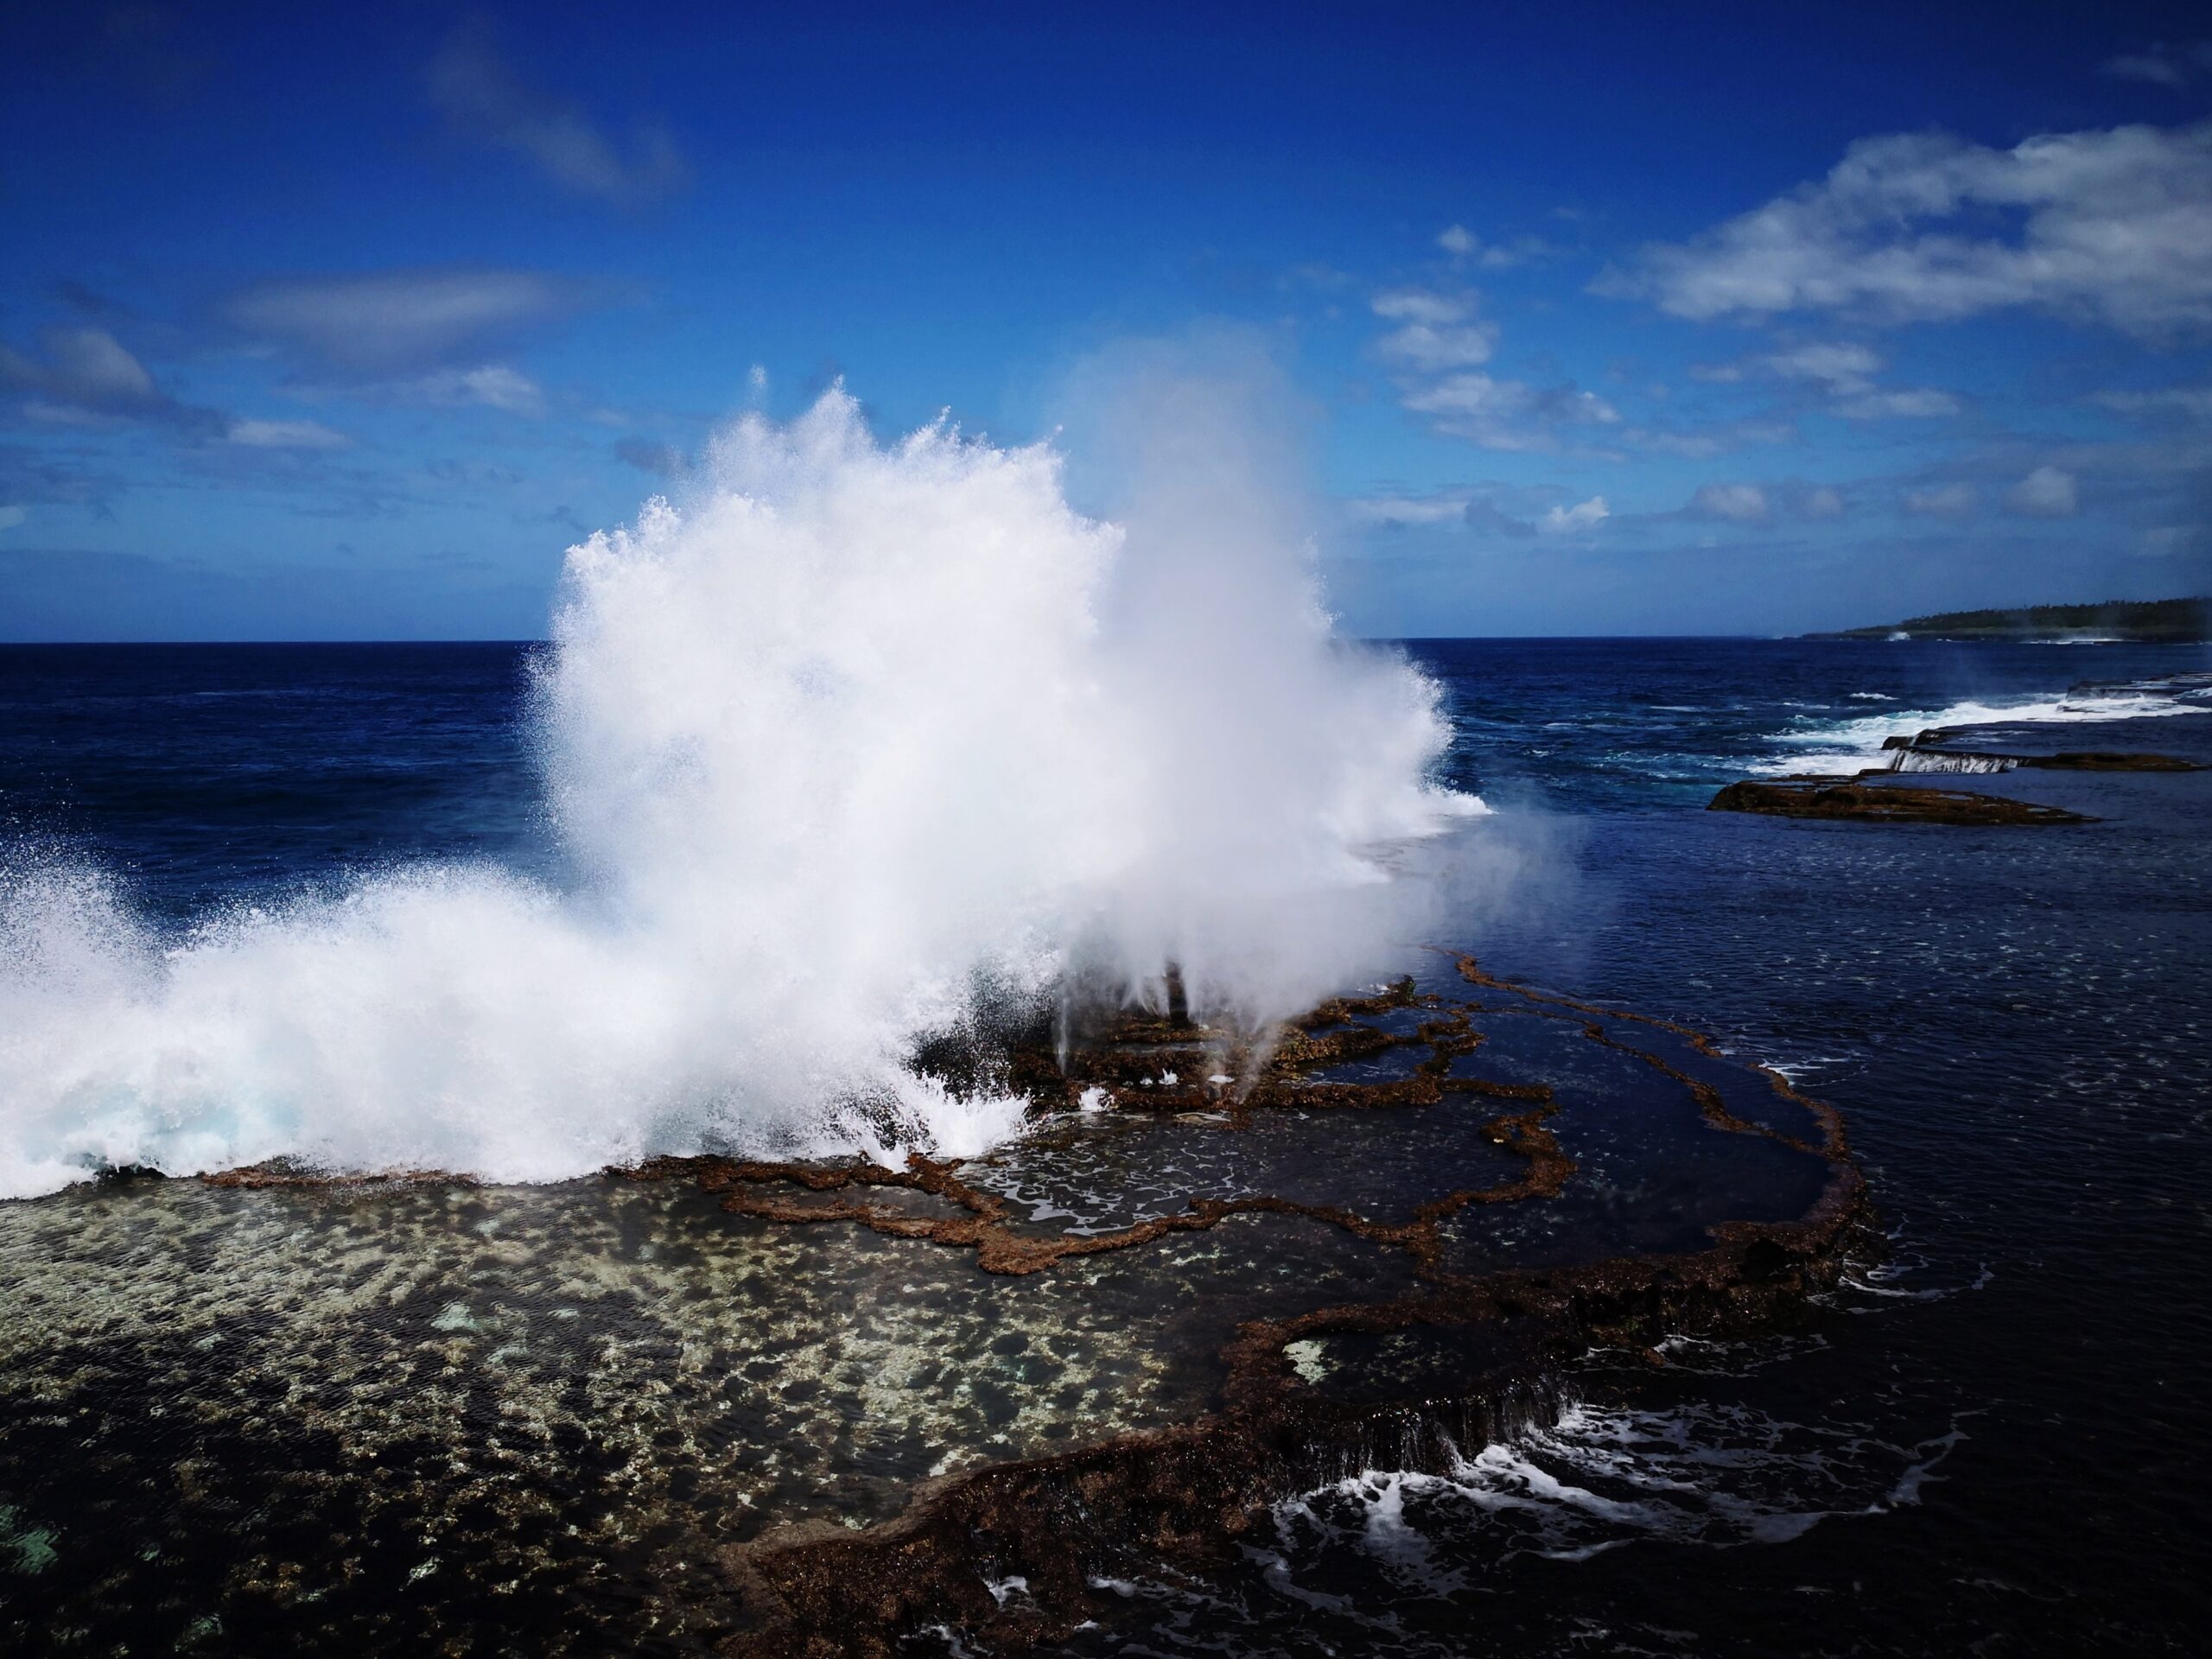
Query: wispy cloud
<point x="82" y="365"/>
<point x="286" y="434"/>
<point x="2111" y="225"/>
<point x="1466" y="248"/>
<point x="1841" y="367"/>
<point x="1923" y="404"/>
<point x="1739" y="504"/>
<point x="2192" y="403"/>
<point x="489" y="385"/>
<point x="2175" y="66"/>
<point x="481" y="96"/>
<point x="1941" y="500"/>
<point x="1436" y="349"/>
<point x="1842" y="370"/>
<point x="382" y="322"/>
<point x="1760" y="504"/>
<point x="1506" y="414"/>
<point x="1702" y="441"/>
<point x="86" y="375"/>
<point x="1482" y="512"/>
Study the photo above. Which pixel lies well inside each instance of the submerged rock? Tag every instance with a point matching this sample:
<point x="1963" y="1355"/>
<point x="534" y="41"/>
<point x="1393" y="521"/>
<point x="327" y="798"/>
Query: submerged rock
<point x="1885" y="804"/>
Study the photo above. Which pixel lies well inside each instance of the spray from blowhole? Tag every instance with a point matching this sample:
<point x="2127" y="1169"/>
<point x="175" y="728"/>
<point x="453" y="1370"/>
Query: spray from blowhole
<point x="855" y="729"/>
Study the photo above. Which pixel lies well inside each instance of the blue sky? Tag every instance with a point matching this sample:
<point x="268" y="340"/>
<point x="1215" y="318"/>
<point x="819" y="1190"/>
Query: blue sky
<point x="1609" y="318"/>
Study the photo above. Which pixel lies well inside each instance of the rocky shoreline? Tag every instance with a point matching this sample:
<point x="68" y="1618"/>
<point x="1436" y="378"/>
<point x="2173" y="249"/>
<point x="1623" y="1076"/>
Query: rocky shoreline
<point x="1092" y="1366"/>
<point x="1870" y="795"/>
<point x="1062" y="1528"/>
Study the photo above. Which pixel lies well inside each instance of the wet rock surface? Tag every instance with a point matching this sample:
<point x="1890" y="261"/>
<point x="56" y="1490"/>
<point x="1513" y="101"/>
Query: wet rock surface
<point x="1927" y="752"/>
<point x="1885" y="804"/>
<point x="709" y="1405"/>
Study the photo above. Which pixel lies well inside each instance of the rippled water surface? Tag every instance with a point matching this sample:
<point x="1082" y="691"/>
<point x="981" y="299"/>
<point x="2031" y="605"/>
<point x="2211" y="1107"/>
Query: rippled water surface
<point x="1995" y="1440"/>
<point x="1998" y="1441"/>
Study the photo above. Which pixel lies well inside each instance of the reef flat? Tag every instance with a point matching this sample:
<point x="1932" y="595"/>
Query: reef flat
<point x="1884" y="804"/>
<point x="712" y="1405"/>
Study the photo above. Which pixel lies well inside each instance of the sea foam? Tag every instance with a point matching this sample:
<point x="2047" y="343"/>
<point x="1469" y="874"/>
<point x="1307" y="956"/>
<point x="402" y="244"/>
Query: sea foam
<point x="846" y="736"/>
<point x="1848" y="745"/>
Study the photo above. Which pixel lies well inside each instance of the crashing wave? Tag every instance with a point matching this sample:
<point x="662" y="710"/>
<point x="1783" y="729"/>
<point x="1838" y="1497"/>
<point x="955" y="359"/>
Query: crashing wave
<point x="850" y="731"/>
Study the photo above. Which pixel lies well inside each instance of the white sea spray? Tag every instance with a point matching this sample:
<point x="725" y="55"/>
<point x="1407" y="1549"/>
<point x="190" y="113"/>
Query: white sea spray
<point x="843" y="732"/>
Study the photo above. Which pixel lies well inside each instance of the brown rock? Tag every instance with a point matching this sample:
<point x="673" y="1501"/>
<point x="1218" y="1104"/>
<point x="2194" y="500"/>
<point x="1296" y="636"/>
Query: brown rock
<point x="1884" y="804"/>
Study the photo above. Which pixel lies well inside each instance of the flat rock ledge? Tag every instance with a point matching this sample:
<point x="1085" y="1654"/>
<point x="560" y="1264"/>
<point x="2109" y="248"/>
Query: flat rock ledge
<point x="1884" y="804"/>
<point x="1929" y="743"/>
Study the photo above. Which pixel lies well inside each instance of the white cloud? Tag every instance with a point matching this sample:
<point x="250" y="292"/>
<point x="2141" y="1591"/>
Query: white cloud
<point x="2046" y="493"/>
<point x="1478" y="514"/>
<point x="1409" y="509"/>
<point x="1567" y="521"/>
<point x="479" y="92"/>
<point x="1438" y="349"/>
<point x="400" y="318"/>
<point x="1823" y="503"/>
<point x="1841" y="367"/>
<point x="1923" y="404"/>
<point x="2113" y="226"/>
<point x="1742" y="504"/>
<point x="1457" y="239"/>
<point x="287" y="435"/>
<point x="1437" y="332"/>
<point x="1422" y="305"/>
<point x="1506" y="414"/>
<point x="10" y="517"/>
<point x="494" y="385"/>
<point x="1941" y="500"/>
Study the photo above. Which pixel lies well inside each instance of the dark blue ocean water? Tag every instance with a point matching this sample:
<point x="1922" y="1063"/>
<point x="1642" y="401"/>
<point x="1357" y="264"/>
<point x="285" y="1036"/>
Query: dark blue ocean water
<point x="1999" y="1442"/>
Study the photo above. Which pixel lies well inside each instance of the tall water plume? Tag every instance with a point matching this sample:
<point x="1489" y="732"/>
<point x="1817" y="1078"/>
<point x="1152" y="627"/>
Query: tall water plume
<point x="849" y="732"/>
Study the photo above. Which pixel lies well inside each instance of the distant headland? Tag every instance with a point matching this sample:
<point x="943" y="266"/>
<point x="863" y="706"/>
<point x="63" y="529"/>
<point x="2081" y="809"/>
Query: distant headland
<point x="2165" y="621"/>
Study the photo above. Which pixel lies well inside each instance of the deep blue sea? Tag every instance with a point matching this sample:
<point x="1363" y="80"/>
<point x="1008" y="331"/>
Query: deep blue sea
<point x="1997" y="1441"/>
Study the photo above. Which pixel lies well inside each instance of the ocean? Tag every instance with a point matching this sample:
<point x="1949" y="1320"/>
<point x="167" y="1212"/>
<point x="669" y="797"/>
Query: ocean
<point x="1993" y="1436"/>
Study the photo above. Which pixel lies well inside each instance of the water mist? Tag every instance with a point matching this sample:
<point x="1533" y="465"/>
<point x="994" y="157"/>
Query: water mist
<point x="850" y="730"/>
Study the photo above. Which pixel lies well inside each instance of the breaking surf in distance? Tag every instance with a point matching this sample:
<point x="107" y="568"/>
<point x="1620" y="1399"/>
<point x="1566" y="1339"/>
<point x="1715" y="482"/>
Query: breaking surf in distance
<point x="1818" y="745"/>
<point x="849" y="732"/>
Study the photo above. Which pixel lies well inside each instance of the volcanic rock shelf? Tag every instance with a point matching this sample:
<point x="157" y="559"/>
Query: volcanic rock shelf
<point x="1885" y="804"/>
<point x="712" y="1405"/>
